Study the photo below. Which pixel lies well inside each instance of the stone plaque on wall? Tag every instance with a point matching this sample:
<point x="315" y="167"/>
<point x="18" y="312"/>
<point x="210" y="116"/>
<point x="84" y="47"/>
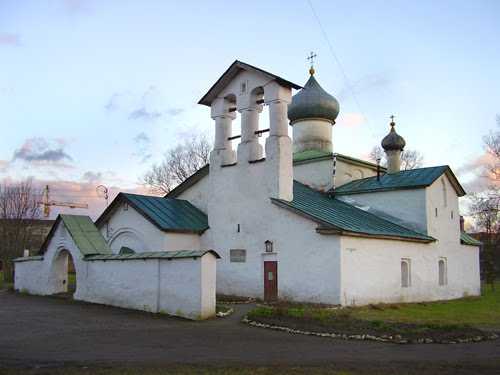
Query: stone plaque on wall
<point x="238" y="255"/>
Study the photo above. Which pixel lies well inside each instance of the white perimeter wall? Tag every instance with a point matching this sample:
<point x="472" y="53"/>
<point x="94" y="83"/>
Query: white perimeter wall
<point x="183" y="287"/>
<point x="180" y="287"/>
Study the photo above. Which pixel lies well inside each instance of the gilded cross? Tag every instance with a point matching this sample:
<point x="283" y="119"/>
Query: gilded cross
<point x="311" y="58"/>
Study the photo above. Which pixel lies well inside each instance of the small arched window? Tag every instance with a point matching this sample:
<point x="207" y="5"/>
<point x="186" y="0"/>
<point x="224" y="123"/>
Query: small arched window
<point x="442" y="271"/>
<point x="405" y="273"/>
<point x="443" y="184"/>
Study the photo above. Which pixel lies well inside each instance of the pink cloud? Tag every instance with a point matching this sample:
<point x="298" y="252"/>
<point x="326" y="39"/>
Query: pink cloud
<point x="351" y="120"/>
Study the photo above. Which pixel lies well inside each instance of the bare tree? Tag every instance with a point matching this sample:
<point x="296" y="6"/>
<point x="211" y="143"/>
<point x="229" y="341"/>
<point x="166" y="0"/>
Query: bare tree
<point x="19" y="209"/>
<point x="377" y="155"/>
<point x="178" y="164"/>
<point x="491" y="144"/>
<point x="484" y="207"/>
<point x="410" y="159"/>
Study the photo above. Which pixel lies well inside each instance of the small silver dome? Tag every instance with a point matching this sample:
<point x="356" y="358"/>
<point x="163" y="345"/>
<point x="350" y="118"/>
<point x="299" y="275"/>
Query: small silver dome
<point x="313" y="102"/>
<point x="393" y="141"/>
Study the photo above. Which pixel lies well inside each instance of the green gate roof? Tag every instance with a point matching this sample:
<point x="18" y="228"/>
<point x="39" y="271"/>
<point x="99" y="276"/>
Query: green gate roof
<point x="84" y="233"/>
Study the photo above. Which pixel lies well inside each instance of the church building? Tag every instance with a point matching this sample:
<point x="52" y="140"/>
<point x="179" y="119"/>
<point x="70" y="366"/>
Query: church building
<point x="312" y="224"/>
<point x="294" y="218"/>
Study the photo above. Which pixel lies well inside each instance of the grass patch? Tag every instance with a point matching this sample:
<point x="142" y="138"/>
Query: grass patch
<point x="4" y="284"/>
<point x="483" y="311"/>
<point x="440" y="321"/>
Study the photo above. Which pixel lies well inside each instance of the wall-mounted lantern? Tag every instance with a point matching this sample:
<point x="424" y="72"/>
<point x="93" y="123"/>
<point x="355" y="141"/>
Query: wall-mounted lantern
<point x="269" y="246"/>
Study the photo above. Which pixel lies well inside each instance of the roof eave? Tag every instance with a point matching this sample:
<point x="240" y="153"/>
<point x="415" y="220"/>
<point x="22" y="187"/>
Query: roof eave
<point x="325" y="230"/>
<point x="188" y="182"/>
<point x="332" y="192"/>
<point x="231" y="72"/>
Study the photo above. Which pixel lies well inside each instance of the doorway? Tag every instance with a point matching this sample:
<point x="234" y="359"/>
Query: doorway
<point x="64" y="274"/>
<point x="270" y="281"/>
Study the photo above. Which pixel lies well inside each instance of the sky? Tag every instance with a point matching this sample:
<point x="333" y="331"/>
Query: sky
<point x="93" y="92"/>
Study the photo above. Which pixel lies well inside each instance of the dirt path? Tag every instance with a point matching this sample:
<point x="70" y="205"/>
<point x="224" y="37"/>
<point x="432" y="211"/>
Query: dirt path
<point x="49" y="331"/>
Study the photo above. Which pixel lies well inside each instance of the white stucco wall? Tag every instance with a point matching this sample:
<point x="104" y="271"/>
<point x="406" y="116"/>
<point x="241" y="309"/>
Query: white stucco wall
<point x="183" y="287"/>
<point x="197" y="194"/>
<point x="312" y="134"/>
<point x="308" y="263"/>
<point x="30" y="278"/>
<point x="182" y="241"/>
<point x="318" y="173"/>
<point x="50" y="275"/>
<point x="443" y="215"/>
<point x="129" y="228"/>
<point x="171" y="287"/>
<point x="371" y="271"/>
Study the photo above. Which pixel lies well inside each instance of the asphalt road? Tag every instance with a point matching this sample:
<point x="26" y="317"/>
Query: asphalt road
<point x="48" y="331"/>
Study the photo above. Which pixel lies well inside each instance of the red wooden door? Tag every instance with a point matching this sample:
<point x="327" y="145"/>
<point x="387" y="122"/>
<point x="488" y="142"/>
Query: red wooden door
<point x="270" y="281"/>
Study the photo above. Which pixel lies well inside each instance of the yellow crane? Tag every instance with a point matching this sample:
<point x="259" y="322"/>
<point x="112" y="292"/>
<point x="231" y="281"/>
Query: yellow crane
<point x="47" y="203"/>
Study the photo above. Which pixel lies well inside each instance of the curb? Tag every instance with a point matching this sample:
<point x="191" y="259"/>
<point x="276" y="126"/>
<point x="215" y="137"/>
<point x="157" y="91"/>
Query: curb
<point x="397" y="339"/>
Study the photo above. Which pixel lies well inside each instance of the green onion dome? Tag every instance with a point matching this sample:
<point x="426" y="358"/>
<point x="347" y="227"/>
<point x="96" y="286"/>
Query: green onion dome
<point x="313" y="102"/>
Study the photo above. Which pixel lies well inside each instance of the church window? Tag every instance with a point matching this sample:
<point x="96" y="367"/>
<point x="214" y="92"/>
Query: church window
<point x="243" y="87"/>
<point x="405" y="273"/>
<point x="443" y="184"/>
<point x="442" y="271"/>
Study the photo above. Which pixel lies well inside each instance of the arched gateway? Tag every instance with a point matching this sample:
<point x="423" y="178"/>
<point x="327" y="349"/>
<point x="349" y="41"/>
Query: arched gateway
<point x="173" y="282"/>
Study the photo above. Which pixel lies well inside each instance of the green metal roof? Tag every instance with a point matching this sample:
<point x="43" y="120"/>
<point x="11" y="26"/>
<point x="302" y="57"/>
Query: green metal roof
<point x="469" y="240"/>
<point x="168" y="214"/>
<point x="317" y="154"/>
<point x="347" y="219"/>
<point x="310" y="155"/>
<point x="154" y="255"/>
<point x="87" y="237"/>
<point x="27" y="259"/>
<point x="413" y="178"/>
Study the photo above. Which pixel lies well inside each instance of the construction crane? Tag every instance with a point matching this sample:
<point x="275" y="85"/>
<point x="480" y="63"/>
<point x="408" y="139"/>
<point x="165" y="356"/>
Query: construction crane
<point x="47" y="203"/>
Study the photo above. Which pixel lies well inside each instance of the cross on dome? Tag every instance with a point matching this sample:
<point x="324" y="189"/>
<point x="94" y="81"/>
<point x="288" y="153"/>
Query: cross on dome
<point x="311" y="60"/>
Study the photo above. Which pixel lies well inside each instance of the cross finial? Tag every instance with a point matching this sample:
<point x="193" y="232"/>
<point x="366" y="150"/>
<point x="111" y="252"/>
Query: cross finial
<point x="311" y="60"/>
<point x="392" y="123"/>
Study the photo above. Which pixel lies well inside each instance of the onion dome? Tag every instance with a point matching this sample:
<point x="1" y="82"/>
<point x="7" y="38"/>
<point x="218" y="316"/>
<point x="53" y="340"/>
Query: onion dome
<point x="313" y="102"/>
<point x="393" y="141"/>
